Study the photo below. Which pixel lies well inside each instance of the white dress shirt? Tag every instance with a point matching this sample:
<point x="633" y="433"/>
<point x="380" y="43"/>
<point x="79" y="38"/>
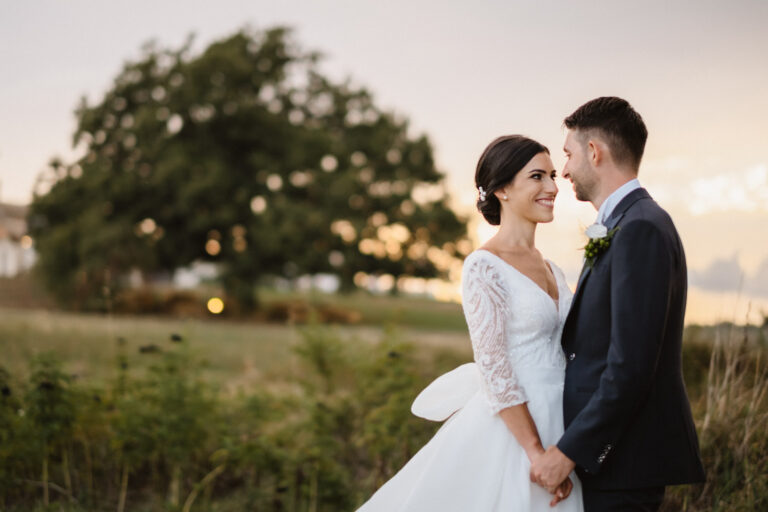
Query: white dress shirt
<point x="604" y="213"/>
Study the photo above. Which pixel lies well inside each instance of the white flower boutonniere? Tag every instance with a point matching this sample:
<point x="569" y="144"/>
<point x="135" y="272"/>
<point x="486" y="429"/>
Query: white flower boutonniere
<point x="599" y="242"/>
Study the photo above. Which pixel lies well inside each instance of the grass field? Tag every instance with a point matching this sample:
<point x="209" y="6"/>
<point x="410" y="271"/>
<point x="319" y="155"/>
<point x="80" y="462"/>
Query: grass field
<point x="291" y="399"/>
<point x="381" y="310"/>
<point x="234" y="354"/>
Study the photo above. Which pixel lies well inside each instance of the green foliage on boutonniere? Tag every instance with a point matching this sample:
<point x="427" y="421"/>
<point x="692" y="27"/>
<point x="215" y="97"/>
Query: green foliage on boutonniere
<point x="599" y="242"/>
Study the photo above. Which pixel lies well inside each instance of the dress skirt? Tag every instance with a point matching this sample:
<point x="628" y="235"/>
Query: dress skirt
<point x="473" y="462"/>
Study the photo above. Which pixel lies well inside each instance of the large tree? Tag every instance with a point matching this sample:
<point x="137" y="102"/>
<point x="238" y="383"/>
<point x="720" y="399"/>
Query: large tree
<point x="244" y="155"/>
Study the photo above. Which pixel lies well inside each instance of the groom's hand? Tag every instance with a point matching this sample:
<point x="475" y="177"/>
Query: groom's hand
<point x="551" y="469"/>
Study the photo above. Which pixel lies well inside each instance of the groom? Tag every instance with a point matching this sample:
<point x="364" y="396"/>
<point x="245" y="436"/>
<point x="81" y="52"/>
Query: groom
<point x="628" y="425"/>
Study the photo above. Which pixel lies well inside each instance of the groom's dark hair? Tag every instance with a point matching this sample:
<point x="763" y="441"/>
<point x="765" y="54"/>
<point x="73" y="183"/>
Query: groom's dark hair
<point x="620" y="125"/>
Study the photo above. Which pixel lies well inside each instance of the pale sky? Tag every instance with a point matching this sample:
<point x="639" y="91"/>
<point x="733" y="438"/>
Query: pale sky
<point x="464" y="73"/>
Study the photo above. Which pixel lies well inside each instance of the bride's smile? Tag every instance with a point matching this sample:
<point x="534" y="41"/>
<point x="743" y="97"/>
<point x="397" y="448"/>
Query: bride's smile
<point x="530" y="196"/>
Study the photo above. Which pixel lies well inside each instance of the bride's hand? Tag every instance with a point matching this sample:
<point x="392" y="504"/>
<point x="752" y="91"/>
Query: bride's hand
<point x="534" y="452"/>
<point x="562" y="492"/>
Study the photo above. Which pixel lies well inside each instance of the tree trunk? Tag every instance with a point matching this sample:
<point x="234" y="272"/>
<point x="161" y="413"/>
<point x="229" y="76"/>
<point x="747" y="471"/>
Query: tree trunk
<point x="242" y="290"/>
<point x="347" y="281"/>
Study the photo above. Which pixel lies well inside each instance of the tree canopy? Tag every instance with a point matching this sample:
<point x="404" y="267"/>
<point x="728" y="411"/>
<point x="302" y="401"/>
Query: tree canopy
<point x="247" y="156"/>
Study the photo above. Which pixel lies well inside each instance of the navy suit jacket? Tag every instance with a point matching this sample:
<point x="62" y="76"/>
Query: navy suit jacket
<point x="628" y="422"/>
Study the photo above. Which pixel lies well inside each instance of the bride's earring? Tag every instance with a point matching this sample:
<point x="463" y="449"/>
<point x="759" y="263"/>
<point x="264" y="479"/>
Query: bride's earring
<point x="505" y="198"/>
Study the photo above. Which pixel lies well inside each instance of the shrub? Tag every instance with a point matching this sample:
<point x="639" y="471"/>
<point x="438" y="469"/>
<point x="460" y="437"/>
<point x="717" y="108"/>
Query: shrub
<point x="323" y="436"/>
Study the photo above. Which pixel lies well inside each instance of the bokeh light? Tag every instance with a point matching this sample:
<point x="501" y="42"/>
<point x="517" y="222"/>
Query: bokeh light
<point x="215" y="305"/>
<point x="329" y="163"/>
<point x="394" y="156"/>
<point x="358" y="158"/>
<point x="344" y="229"/>
<point x="175" y="124"/>
<point x="336" y="258"/>
<point x="258" y="205"/>
<point x="274" y="182"/>
<point x="213" y="247"/>
<point x="148" y="226"/>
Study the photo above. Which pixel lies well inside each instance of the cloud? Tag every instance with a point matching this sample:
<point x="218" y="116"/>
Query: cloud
<point x="757" y="284"/>
<point x="722" y="275"/>
<point x="727" y="275"/>
<point x="735" y="191"/>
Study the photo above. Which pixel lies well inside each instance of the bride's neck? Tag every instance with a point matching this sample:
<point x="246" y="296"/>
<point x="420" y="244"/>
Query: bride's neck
<point x="516" y="234"/>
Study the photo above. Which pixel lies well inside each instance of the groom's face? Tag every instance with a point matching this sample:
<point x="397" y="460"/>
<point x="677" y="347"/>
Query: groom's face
<point x="577" y="167"/>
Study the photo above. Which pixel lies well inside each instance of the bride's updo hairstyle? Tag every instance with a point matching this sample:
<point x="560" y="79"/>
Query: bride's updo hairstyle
<point x="498" y="165"/>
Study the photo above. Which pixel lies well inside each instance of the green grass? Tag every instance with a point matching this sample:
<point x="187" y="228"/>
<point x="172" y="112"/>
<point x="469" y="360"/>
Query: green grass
<point x="404" y="311"/>
<point x="235" y="355"/>
<point x="341" y="401"/>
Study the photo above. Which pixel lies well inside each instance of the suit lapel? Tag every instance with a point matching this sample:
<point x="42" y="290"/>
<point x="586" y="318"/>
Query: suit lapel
<point x="612" y="222"/>
<point x="583" y="276"/>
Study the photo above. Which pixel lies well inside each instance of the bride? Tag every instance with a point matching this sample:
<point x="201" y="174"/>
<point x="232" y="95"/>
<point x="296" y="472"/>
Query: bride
<point x="502" y="410"/>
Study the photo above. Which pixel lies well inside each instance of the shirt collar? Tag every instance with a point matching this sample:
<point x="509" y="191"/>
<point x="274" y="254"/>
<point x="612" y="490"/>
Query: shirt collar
<point x="606" y="209"/>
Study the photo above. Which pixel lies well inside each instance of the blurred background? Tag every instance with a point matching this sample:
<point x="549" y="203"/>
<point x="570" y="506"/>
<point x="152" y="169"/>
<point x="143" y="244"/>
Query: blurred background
<point x="213" y="215"/>
<point x="459" y="76"/>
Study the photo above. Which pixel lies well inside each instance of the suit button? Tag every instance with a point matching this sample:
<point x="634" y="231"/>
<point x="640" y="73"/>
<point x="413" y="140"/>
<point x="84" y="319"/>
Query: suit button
<point x="571" y="356"/>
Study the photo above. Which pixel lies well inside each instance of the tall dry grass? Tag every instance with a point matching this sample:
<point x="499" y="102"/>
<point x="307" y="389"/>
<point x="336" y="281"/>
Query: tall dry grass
<point x="731" y="413"/>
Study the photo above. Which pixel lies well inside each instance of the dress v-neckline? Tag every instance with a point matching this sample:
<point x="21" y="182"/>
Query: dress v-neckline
<point x="555" y="302"/>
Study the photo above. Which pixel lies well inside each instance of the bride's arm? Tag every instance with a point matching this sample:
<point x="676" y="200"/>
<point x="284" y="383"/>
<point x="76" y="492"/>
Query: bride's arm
<point x="485" y="300"/>
<point x="519" y="421"/>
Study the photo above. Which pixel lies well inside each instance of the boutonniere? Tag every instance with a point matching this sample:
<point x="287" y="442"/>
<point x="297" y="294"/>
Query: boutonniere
<point x="599" y="242"/>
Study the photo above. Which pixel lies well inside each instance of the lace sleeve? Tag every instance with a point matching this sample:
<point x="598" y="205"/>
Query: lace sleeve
<point x="485" y="303"/>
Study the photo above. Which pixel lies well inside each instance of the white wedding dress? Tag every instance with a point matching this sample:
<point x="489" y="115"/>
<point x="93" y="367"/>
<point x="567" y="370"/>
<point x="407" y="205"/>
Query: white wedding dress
<point x="474" y="463"/>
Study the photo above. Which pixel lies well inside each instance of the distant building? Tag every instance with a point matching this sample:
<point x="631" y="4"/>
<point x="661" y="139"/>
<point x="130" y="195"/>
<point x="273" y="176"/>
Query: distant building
<point x="16" y="252"/>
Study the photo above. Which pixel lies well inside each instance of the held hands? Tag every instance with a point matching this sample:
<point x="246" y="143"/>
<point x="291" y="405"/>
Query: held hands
<point x="562" y="492"/>
<point x="550" y="470"/>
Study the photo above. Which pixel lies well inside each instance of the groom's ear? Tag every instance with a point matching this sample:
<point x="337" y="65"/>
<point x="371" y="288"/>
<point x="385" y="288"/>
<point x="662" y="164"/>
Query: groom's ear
<point x="595" y="152"/>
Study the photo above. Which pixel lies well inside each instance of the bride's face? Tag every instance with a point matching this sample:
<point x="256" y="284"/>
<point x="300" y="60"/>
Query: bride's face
<point x="531" y="194"/>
